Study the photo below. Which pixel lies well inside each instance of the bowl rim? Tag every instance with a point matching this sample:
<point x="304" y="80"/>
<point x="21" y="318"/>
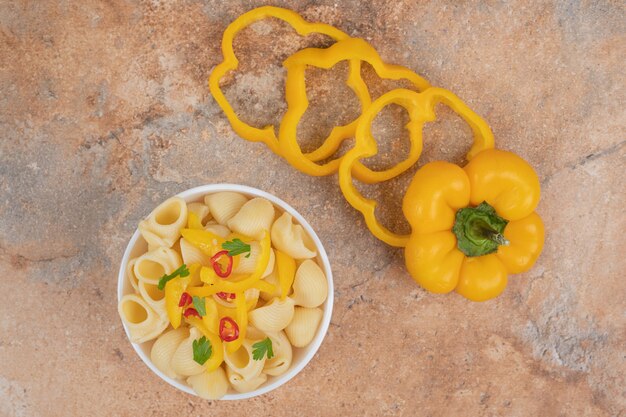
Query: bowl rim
<point x="311" y="349"/>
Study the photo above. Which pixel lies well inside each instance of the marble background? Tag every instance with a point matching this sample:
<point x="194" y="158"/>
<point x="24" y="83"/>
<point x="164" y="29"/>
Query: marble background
<point x="104" y="112"/>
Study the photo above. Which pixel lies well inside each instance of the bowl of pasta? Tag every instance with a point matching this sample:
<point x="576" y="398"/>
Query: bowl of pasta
<point x="225" y="291"/>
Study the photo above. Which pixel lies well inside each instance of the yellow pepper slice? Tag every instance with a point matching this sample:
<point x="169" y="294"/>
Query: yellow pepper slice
<point x="224" y="285"/>
<point x="210" y="243"/>
<point x="211" y="289"/>
<point x="211" y="319"/>
<point x="207" y="242"/>
<point x="193" y="221"/>
<point x="286" y="266"/>
<point x="264" y="286"/>
<point x="420" y="107"/>
<point x="204" y="291"/>
<point x="217" y="351"/>
<point x="472" y="227"/>
<point x="267" y="134"/>
<point x="174" y="289"/>
<point x="241" y="318"/>
<point x="297" y="103"/>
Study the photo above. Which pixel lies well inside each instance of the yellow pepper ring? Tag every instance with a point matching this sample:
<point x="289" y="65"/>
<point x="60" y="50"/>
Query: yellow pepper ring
<point x="267" y="134"/>
<point x="421" y="110"/>
<point x="295" y="93"/>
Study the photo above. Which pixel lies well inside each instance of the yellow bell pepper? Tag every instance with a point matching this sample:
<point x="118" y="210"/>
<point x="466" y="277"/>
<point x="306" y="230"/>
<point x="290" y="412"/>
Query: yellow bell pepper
<point x="297" y="103"/>
<point x="286" y="267"/>
<point x="217" y="349"/>
<point x="420" y="107"/>
<point x="207" y="242"/>
<point x="241" y="318"/>
<point x="174" y="289"/>
<point x="218" y="284"/>
<point x="193" y="221"/>
<point x="212" y="318"/>
<point x="211" y="288"/>
<point x="473" y="226"/>
<point x="267" y="134"/>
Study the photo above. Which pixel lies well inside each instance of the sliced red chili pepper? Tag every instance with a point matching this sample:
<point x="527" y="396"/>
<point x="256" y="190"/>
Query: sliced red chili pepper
<point x="185" y="300"/>
<point x="217" y="267"/>
<point x="226" y="295"/>
<point x="191" y="312"/>
<point x="229" y="330"/>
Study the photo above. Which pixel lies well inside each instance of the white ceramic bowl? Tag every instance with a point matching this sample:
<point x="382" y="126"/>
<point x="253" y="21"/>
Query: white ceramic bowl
<point x="301" y="356"/>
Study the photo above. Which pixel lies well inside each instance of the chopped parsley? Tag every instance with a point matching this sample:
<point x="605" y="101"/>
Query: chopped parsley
<point x="181" y="271"/>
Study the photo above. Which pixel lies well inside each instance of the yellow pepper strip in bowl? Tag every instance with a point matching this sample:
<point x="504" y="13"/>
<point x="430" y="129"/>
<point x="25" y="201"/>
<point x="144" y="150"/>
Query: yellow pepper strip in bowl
<point x="211" y="319"/>
<point x="193" y="221"/>
<point x="420" y="107"/>
<point x="297" y="103"/>
<point x="286" y="267"/>
<point x="174" y="289"/>
<point x="217" y="349"/>
<point x="241" y="318"/>
<point x="217" y="284"/>
<point x="207" y="242"/>
<point x="267" y="134"/>
<point x="473" y="226"/>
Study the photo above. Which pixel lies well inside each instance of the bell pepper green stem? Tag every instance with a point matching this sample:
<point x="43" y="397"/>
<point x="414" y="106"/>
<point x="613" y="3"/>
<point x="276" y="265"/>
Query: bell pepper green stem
<point x="479" y="230"/>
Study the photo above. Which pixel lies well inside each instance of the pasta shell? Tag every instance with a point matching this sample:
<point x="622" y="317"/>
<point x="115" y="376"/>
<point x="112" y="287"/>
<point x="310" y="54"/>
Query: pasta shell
<point x="272" y="317"/>
<point x="304" y="325"/>
<point x="210" y="385"/>
<point x="310" y="287"/>
<point x="152" y="247"/>
<point x="283" y="354"/>
<point x="163" y="350"/>
<point x="151" y="266"/>
<point x="142" y="322"/>
<point x="154" y="297"/>
<point x="272" y="278"/>
<point x="240" y="384"/>
<point x="224" y="205"/>
<point x="254" y="217"/>
<point x="182" y="361"/>
<point x="254" y="334"/>
<point x="193" y="255"/>
<point x="200" y="210"/>
<point x="291" y="238"/>
<point x="248" y="265"/>
<point x="242" y="363"/>
<point x="162" y="227"/>
<point x="130" y="275"/>
<point x="217" y="229"/>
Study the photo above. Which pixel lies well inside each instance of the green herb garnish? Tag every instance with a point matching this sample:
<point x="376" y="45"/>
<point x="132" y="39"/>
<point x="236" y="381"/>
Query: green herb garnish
<point x="202" y="350"/>
<point x="259" y="349"/>
<point x="236" y="247"/>
<point x="200" y="305"/>
<point x="182" y="271"/>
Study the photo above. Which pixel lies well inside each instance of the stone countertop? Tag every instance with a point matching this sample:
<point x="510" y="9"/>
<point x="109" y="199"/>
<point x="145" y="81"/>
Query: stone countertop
<point x="104" y="112"/>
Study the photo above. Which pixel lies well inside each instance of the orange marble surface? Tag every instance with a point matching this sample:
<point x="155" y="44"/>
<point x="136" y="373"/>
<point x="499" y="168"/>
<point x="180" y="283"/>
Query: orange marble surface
<point x="104" y="112"/>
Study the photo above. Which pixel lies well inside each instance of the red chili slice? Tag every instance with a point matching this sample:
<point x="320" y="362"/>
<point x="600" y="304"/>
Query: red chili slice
<point x="185" y="300"/>
<point x="191" y="312"/>
<point x="226" y="295"/>
<point x="229" y="330"/>
<point x="218" y="268"/>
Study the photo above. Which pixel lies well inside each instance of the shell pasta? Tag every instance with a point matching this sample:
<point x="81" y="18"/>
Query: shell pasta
<point x="162" y="227"/>
<point x="228" y="291"/>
